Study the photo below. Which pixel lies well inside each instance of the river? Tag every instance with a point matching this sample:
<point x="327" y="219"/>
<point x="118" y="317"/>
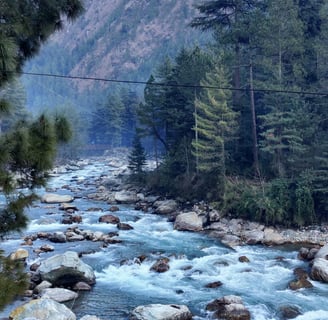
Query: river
<point x="195" y="260"/>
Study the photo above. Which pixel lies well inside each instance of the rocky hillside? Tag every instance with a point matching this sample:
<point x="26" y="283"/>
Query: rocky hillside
<point x="116" y="39"/>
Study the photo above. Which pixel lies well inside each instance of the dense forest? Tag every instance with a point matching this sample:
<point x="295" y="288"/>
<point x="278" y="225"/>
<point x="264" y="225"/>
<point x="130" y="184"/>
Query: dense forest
<point x="243" y="124"/>
<point x="240" y="123"/>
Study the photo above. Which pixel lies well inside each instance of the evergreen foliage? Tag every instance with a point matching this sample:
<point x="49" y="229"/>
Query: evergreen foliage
<point x="27" y="147"/>
<point x="271" y="45"/>
<point x="113" y="123"/>
<point x="214" y="126"/>
<point x="137" y="157"/>
<point x="12" y="278"/>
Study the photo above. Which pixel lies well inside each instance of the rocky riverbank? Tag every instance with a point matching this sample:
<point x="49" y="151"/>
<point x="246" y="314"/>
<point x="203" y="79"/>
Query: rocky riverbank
<point x="201" y="217"/>
<point x="114" y="190"/>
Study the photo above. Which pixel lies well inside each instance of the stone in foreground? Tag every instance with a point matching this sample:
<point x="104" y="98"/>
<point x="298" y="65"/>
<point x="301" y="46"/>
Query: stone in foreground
<point x="161" y="312"/>
<point x="66" y="270"/>
<point x="45" y="309"/>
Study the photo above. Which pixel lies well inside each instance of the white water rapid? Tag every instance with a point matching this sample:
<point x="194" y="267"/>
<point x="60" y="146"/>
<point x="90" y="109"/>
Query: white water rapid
<point x="195" y="261"/>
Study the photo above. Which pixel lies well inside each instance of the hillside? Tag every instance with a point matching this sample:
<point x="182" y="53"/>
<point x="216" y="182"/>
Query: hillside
<point x="113" y="39"/>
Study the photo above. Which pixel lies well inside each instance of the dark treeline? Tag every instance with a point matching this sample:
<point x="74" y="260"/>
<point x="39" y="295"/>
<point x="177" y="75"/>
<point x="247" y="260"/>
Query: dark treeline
<point x="258" y="151"/>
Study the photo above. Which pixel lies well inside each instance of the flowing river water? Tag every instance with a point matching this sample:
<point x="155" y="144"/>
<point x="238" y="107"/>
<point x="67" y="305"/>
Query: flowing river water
<point x="195" y="260"/>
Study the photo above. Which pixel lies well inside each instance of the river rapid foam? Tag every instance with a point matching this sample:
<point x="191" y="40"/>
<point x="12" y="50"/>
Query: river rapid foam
<point x="195" y="260"/>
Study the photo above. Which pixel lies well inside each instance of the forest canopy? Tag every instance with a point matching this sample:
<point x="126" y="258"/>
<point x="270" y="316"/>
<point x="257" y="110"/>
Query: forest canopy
<point x="258" y="150"/>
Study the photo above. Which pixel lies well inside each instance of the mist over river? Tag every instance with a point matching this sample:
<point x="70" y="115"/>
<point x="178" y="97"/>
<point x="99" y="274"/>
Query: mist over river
<point x="195" y="260"/>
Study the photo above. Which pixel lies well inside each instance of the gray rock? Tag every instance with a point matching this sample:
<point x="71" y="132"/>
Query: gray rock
<point x="109" y="218"/>
<point x="161" y="312"/>
<point x="188" y="221"/>
<point x="231" y="241"/>
<point x="57" y="237"/>
<point x="45" y="309"/>
<point x="253" y="236"/>
<point x="43" y="285"/>
<point x="66" y="270"/>
<point x="56" y="198"/>
<point x="323" y="252"/>
<point x="272" y="237"/>
<point x="319" y="270"/>
<point x="165" y="206"/>
<point x="59" y="294"/>
<point x="88" y="317"/>
<point x="229" y="307"/>
<point x="161" y="265"/>
<point x="126" y="197"/>
<point x="81" y="286"/>
<point x="72" y="236"/>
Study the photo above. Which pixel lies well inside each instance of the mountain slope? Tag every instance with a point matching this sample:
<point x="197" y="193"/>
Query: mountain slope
<point x="115" y="39"/>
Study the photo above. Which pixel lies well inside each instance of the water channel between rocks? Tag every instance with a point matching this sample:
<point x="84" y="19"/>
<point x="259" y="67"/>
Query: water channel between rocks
<point x="195" y="261"/>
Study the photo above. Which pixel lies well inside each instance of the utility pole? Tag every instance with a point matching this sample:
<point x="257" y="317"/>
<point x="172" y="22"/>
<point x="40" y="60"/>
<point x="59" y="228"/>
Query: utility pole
<point x="254" y="131"/>
<point x="196" y="133"/>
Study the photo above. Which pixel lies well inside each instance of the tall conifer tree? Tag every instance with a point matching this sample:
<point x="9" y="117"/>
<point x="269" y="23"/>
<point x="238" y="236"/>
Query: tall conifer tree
<point x="215" y="124"/>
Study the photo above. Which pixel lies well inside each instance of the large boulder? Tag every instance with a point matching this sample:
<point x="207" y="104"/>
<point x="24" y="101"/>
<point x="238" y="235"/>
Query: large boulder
<point x="322" y="253"/>
<point x="165" y="206"/>
<point x="272" y="237"/>
<point x="56" y="198"/>
<point x="45" y="309"/>
<point x="188" y="221"/>
<point x="229" y="307"/>
<point x="161" y="312"/>
<point x="319" y="270"/>
<point x="126" y="197"/>
<point x="66" y="270"/>
<point x="253" y="236"/>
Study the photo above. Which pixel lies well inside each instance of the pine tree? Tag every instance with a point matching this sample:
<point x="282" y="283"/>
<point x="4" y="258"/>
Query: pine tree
<point x="234" y="24"/>
<point x="137" y="157"/>
<point x="215" y="124"/>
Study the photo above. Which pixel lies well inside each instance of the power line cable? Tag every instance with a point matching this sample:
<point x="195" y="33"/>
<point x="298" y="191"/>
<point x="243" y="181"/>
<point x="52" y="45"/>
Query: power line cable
<point x="175" y="85"/>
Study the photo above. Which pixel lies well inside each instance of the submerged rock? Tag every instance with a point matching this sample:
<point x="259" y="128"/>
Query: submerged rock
<point x="161" y="312"/>
<point x="109" y="218"/>
<point x="289" y="312"/>
<point x="161" y="265"/>
<point x="229" y="308"/>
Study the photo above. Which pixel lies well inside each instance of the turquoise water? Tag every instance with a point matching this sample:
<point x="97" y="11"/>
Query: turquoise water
<point x="195" y="260"/>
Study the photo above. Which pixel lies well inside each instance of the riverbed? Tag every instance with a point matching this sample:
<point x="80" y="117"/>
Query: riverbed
<point x="122" y="283"/>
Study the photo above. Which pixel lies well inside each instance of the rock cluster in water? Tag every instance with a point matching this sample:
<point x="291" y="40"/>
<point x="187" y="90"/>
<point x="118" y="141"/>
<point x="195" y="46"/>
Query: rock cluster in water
<point x="70" y="273"/>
